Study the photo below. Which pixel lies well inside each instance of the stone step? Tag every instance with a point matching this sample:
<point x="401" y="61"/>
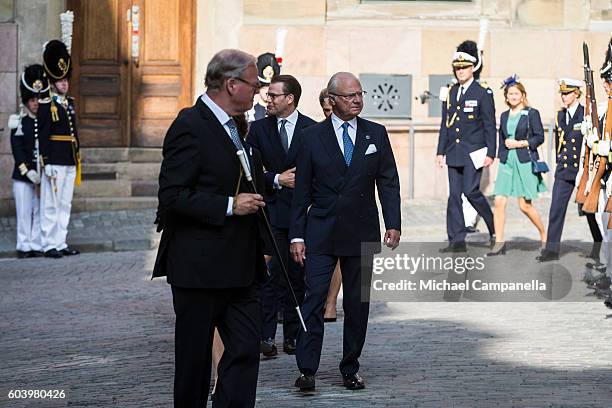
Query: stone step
<point x="80" y="204"/>
<point x="145" y="155"/>
<point x="139" y="171"/>
<point x="104" y="188"/>
<point x="104" y="154"/>
<point x="145" y="188"/>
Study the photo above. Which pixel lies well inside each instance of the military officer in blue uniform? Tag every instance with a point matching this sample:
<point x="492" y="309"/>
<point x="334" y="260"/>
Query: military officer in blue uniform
<point x="568" y="143"/>
<point x="59" y="149"/>
<point x="33" y="85"/>
<point x="267" y="68"/>
<point x="468" y="126"/>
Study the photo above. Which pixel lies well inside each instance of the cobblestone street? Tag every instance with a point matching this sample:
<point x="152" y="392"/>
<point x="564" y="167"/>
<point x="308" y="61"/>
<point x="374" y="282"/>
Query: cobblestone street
<point x="96" y="327"/>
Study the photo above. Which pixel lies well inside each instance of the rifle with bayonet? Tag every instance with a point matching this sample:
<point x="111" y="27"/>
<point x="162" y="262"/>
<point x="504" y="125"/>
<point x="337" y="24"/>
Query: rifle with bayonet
<point x="594" y="165"/>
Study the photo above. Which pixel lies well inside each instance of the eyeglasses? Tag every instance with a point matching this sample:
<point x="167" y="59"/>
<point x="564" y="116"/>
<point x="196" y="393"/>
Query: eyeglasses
<point x="255" y="87"/>
<point x="352" y="96"/>
<point x="273" y="96"/>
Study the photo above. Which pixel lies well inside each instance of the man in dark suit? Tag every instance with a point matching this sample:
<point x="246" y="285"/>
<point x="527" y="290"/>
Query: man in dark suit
<point x="340" y="162"/>
<point x="278" y="139"/>
<point x="211" y="248"/>
<point x="468" y="126"/>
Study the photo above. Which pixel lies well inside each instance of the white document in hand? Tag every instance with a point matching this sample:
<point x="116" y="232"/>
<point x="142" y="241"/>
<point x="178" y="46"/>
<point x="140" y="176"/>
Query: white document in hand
<point x="478" y="157"/>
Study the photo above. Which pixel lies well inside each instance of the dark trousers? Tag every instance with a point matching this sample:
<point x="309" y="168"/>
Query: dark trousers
<point x="275" y="292"/>
<point x="356" y="274"/>
<point x="596" y="234"/>
<point x="235" y="313"/>
<point x="465" y="180"/>
<point x="561" y="194"/>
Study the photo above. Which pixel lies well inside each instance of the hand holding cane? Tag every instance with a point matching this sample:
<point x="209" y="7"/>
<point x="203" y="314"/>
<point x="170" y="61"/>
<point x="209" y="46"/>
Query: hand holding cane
<point x="247" y="174"/>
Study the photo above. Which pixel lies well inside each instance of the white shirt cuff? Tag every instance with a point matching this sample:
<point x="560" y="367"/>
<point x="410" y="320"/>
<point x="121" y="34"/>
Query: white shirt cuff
<point x="230" y="204"/>
<point x="297" y="240"/>
<point x="276" y="183"/>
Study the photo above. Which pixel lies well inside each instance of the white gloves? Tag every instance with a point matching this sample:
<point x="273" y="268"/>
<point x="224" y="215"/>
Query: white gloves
<point x="49" y="172"/>
<point x="591" y="138"/>
<point x="603" y="148"/>
<point x="586" y="126"/>
<point x="33" y="176"/>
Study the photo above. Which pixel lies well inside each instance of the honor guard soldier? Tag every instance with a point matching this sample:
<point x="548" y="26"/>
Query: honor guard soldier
<point x="602" y="148"/>
<point x="568" y="143"/>
<point x="468" y="126"/>
<point x="267" y="68"/>
<point x="59" y="148"/>
<point x="33" y="85"/>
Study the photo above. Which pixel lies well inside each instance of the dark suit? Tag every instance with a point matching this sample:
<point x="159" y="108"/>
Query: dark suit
<point x="467" y="125"/>
<point x="214" y="262"/>
<point x="342" y="216"/>
<point x="264" y="136"/>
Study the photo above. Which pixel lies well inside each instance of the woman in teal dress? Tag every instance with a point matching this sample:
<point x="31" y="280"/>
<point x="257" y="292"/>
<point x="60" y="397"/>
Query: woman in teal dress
<point x="520" y="134"/>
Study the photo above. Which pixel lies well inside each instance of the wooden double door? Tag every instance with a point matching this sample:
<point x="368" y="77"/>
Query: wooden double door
<point x="132" y="68"/>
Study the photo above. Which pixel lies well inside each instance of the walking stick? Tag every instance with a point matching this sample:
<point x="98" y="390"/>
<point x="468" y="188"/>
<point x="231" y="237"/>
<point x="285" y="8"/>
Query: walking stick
<point x="247" y="174"/>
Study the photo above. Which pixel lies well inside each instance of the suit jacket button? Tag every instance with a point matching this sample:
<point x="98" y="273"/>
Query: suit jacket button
<point x="573" y="140"/>
<point x="574" y="148"/>
<point x="361" y="195"/>
<point x="457" y="119"/>
<point x="575" y="165"/>
<point x="564" y="165"/>
<point x="458" y="108"/>
<point x="457" y="140"/>
<point x="575" y="157"/>
<point x="565" y="149"/>
<point x="564" y="157"/>
<point x="457" y="130"/>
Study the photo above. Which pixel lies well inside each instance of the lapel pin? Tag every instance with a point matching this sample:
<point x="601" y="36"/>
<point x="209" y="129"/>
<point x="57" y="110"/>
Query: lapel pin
<point x="367" y="137"/>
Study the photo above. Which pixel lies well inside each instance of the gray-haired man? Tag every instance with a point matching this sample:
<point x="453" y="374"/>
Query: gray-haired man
<point x="211" y="249"/>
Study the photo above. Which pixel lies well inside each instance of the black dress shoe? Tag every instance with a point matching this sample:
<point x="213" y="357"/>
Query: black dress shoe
<point x="69" y="251"/>
<point x="471" y="230"/>
<point x="547" y="255"/>
<point x="305" y="382"/>
<point x="454" y="247"/>
<point x="36" y="254"/>
<point x="289" y="346"/>
<point x="268" y="348"/>
<point x="603" y="283"/>
<point x="353" y="382"/>
<point x="23" y="254"/>
<point x="53" y="253"/>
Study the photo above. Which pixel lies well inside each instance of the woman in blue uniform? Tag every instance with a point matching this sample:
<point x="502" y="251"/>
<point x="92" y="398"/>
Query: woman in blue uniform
<point x="520" y="134"/>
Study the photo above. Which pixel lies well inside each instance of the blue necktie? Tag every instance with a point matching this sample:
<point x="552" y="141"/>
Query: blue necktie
<point x="348" y="144"/>
<point x="234" y="134"/>
<point x="235" y="138"/>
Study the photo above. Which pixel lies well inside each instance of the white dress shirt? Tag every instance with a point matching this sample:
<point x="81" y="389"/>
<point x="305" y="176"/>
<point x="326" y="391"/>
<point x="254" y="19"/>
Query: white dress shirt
<point x="222" y="117"/>
<point x="570" y="112"/>
<point x="290" y="128"/>
<point x="465" y="87"/>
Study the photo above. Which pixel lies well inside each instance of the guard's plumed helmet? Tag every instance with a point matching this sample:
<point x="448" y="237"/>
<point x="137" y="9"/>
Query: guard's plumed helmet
<point x="57" y="61"/>
<point x="467" y="54"/>
<point x="33" y="83"/>
<point x="267" y="68"/>
<point x="606" y="68"/>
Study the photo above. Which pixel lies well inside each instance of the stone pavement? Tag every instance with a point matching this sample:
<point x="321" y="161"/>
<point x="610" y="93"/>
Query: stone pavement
<point x="131" y="230"/>
<point x="96" y="327"/>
